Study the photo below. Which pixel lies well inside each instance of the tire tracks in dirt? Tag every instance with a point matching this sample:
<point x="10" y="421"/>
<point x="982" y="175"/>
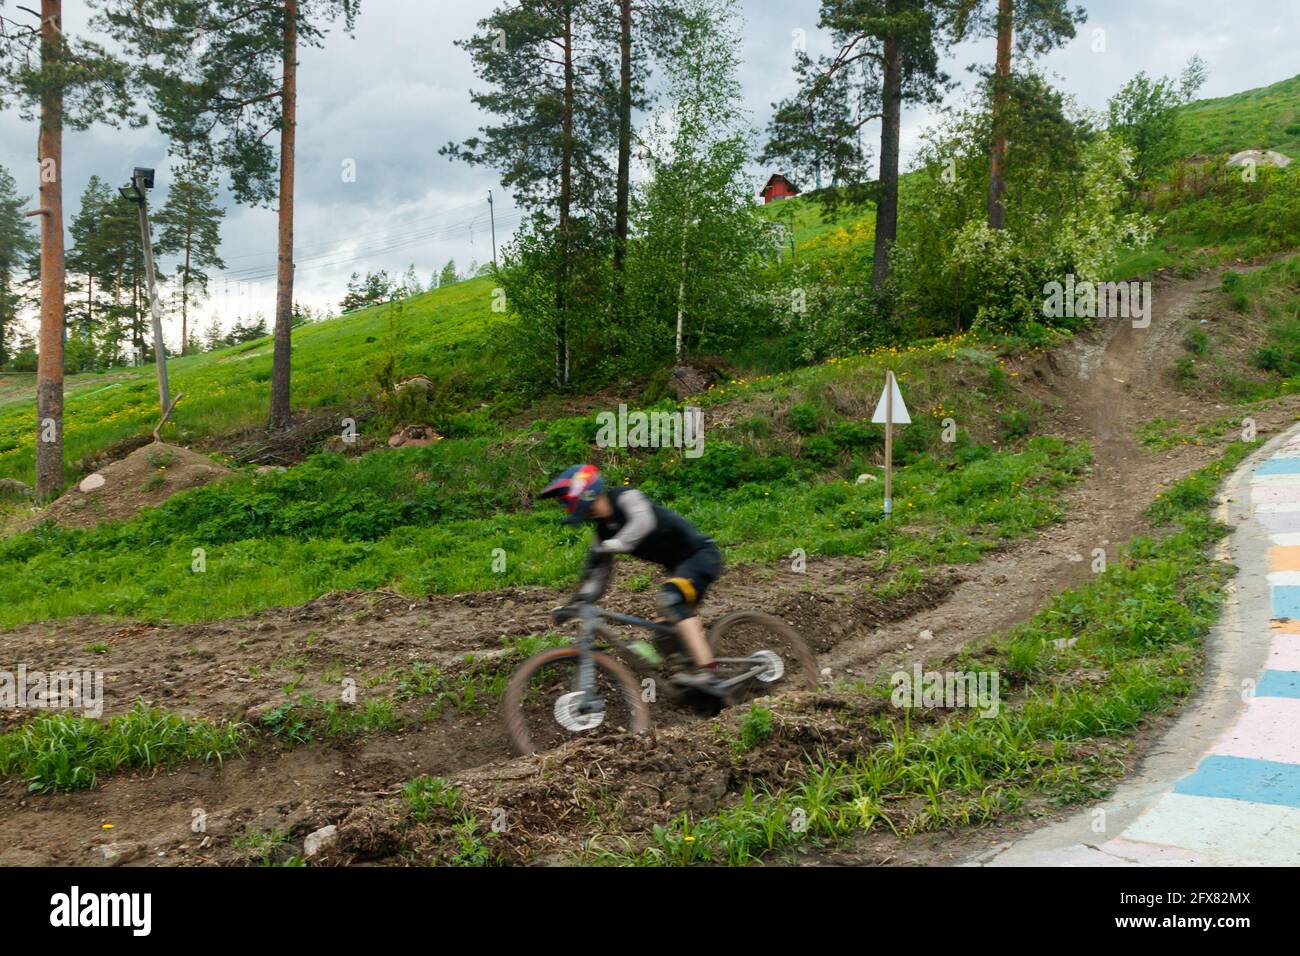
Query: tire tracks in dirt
<point x="1097" y="388"/>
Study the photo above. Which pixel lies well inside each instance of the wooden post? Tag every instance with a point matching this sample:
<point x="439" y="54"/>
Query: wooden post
<point x="889" y="443"/>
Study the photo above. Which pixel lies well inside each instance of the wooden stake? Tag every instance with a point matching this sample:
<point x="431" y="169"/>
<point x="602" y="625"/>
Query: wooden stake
<point x="889" y="443"/>
<point x="157" y="436"/>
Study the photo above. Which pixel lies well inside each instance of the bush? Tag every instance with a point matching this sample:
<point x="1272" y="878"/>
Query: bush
<point x="804" y="418"/>
<point x="821" y="451"/>
<point x="1271" y="358"/>
<point x="1197" y="341"/>
<point x="1015" y="424"/>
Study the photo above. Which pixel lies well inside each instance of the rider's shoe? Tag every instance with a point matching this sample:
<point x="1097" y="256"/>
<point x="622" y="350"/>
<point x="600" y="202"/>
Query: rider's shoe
<point x="705" y="680"/>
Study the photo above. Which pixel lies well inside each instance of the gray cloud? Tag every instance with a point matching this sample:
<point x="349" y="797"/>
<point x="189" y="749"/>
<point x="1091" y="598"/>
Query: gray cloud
<point x="390" y="96"/>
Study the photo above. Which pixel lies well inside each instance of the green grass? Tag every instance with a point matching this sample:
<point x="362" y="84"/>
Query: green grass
<point x="425" y="794"/>
<point x="1263" y="118"/>
<point x="309" y="718"/>
<point x="439" y="334"/>
<point x="428" y="520"/>
<point x="816" y="235"/>
<point x="65" y="751"/>
<point x="1139" y="625"/>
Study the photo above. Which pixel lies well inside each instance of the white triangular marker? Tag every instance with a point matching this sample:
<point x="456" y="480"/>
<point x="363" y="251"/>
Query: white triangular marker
<point x="900" y="409"/>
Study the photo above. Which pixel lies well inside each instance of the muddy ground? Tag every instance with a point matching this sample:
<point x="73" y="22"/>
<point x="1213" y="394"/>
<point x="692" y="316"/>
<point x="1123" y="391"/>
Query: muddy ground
<point x="1099" y="388"/>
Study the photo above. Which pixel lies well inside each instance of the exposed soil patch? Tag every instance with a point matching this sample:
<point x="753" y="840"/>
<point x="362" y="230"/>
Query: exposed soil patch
<point x="145" y="478"/>
<point x="309" y="433"/>
<point x="1098" y="388"/>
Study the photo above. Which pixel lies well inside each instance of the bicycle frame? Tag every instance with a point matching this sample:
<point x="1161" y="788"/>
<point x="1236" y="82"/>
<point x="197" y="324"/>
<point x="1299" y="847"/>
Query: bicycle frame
<point x="594" y="623"/>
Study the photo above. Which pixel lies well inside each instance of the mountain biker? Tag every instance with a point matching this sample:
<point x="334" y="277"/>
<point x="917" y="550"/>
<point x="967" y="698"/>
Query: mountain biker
<point x="627" y="522"/>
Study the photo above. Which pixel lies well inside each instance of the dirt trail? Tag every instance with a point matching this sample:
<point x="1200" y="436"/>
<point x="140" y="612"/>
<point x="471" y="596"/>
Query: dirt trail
<point x="1098" y="388"/>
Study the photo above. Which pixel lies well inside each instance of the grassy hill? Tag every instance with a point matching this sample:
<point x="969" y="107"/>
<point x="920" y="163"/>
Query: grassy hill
<point x="440" y="333"/>
<point x="1264" y="118"/>
<point x="816" y="235"/>
<point x="437" y="334"/>
<point x="425" y="520"/>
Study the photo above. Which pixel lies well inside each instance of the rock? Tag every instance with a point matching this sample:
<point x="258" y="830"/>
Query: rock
<point x="91" y="483"/>
<point x="256" y="712"/>
<point x="415" y="385"/>
<point x="115" y="854"/>
<point x="1260" y="157"/>
<point x="11" y="490"/>
<point x="413" y="436"/>
<point x="326" y="838"/>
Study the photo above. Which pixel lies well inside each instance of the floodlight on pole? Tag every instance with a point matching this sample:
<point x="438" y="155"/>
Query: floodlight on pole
<point x="137" y="192"/>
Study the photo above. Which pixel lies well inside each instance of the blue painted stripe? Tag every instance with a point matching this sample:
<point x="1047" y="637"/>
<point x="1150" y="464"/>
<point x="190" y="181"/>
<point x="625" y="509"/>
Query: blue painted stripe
<point x="1279" y="466"/>
<point x="1239" y="778"/>
<point x="1286" y="600"/>
<point x="1279" y="684"/>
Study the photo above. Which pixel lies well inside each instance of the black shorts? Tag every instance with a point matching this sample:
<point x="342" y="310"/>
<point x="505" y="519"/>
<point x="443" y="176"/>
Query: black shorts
<point x="689" y="581"/>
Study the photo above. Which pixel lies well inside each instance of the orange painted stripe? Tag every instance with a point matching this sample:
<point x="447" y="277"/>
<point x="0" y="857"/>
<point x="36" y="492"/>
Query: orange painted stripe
<point x="1287" y="627"/>
<point x="1284" y="558"/>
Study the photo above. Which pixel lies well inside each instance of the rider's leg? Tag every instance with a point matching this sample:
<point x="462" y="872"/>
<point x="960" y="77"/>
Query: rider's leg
<point x="691" y="631"/>
<point x="681" y="595"/>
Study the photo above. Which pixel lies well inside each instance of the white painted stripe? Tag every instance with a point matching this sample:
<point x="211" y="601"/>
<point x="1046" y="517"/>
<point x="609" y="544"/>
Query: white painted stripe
<point x="1281" y="579"/>
<point x="1266" y="730"/>
<point x="1285" y="540"/>
<point x="1278" y="507"/>
<point x="1235" y="832"/>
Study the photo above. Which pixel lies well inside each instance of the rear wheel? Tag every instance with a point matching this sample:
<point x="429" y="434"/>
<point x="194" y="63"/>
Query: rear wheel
<point x="543" y="709"/>
<point x="744" y="640"/>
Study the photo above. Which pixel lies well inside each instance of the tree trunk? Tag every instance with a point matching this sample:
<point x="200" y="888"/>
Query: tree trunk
<point x="49" y="369"/>
<point x="624" y="187"/>
<point x="185" y="291"/>
<point x="887" y="201"/>
<point x="1001" y="96"/>
<point x="4" y="321"/>
<point x="566" y="197"/>
<point x="681" y="295"/>
<point x="280" y="412"/>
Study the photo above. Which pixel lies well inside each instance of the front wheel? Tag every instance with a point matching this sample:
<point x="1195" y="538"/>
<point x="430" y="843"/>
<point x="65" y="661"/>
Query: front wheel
<point x="543" y="706"/>
<point x="744" y="640"/>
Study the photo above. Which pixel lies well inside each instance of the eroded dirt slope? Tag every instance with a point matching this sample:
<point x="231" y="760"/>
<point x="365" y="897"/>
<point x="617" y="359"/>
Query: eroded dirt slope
<point x="1098" y="389"/>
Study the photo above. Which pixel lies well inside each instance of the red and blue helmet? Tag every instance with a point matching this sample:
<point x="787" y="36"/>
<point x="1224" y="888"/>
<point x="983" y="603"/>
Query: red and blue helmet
<point x="577" y="488"/>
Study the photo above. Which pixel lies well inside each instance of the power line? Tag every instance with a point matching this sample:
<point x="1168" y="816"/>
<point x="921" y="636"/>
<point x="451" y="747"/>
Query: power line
<point x="335" y="259"/>
<point x="382" y="232"/>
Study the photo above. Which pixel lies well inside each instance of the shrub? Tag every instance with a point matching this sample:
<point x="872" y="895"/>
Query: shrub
<point x="1197" y="341"/>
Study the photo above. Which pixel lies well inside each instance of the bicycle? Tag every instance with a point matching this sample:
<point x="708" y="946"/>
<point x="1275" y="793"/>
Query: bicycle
<point x="579" y="690"/>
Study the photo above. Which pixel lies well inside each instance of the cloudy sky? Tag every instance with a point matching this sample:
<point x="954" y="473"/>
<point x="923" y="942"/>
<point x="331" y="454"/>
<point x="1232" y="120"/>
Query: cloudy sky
<point x="387" y="98"/>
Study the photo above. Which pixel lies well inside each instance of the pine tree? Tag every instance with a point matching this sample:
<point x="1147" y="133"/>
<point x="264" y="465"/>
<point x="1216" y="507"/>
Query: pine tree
<point x="223" y="75"/>
<point x="552" y="87"/>
<point x="17" y="247"/>
<point x="1036" y="26"/>
<point x="212" y="335"/>
<point x="59" y="80"/>
<point x="888" y="56"/>
<point x="190" y="222"/>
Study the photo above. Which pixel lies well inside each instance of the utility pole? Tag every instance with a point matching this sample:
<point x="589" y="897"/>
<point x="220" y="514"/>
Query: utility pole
<point x="492" y="213"/>
<point x="137" y="192"/>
